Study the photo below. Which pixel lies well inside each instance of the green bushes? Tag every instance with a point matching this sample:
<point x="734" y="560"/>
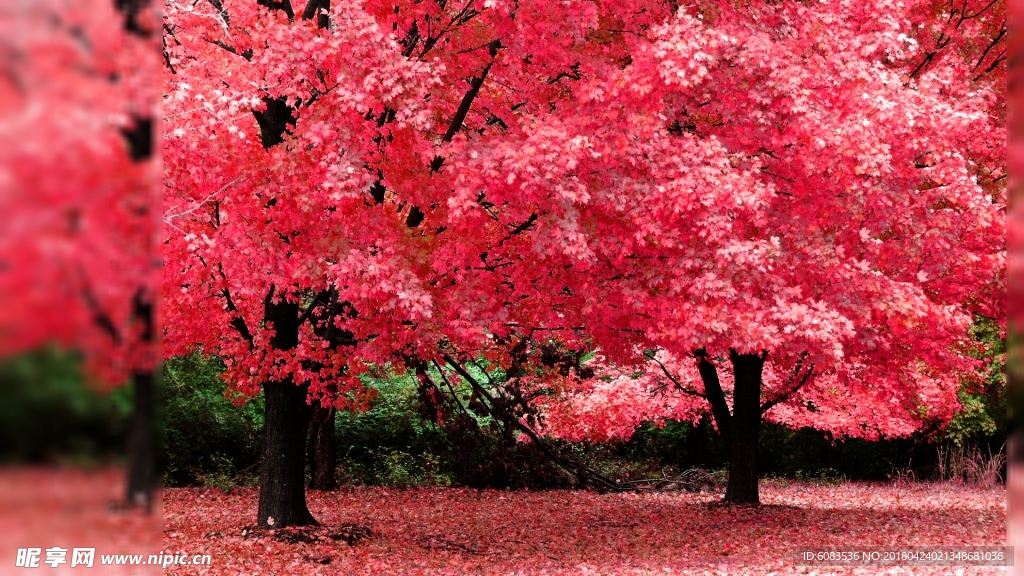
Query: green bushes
<point x="397" y="443"/>
<point x="210" y="436"/>
<point x="213" y="437"/>
<point x="982" y="414"/>
<point x="210" y="439"/>
<point x="389" y="444"/>
<point x="806" y="454"/>
<point x="48" y="414"/>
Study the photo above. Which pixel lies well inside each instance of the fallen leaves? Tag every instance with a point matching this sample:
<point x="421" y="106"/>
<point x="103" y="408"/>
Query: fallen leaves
<point x="348" y="533"/>
<point x="461" y="531"/>
<point x="43" y="507"/>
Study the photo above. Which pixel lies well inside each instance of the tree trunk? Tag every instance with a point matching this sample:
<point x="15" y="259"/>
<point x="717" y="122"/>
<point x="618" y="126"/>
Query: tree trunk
<point x="142" y="443"/>
<point x="283" y="471"/>
<point x="282" y="475"/>
<point x="745" y="430"/>
<point x="320" y="450"/>
<point x="142" y="438"/>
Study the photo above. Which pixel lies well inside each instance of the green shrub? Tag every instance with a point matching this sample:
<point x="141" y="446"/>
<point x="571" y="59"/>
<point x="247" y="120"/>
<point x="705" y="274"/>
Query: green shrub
<point x="211" y="435"/>
<point x="49" y="414"/>
<point x="377" y="446"/>
<point x="213" y="439"/>
<point x="982" y="414"/>
<point x="398" y="469"/>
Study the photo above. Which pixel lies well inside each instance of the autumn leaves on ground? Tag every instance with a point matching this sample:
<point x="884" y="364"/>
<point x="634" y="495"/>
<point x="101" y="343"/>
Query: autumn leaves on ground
<point x="461" y="531"/>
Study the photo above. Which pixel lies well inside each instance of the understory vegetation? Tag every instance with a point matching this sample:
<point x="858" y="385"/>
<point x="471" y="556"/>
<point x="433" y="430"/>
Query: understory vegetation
<point x="50" y="413"/>
<point x="213" y="438"/>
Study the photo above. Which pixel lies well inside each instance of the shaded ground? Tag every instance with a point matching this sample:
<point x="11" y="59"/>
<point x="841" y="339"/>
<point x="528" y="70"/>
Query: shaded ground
<point x="457" y="531"/>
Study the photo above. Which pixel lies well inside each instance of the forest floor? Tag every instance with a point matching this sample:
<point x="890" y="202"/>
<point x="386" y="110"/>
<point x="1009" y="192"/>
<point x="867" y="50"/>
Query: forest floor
<point x="66" y="508"/>
<point x="463" y="531"/>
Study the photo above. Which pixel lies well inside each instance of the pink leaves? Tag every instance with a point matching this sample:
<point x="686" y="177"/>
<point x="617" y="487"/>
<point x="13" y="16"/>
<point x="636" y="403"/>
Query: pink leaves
<point x="758" y="177"/>
<point x="685" y="49"/>
<point x="456" y="531"/>
<point x="848" y="397"/>
<point x="78" y="238"/>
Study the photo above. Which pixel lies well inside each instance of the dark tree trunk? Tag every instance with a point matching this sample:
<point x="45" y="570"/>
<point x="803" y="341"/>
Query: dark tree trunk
<point x="320" y="449"/>
<point x="142" y="442"/>
<point x="741" y="429"/>
<point x="745" y="430"/>
<point x="283" y="471"/>
<point x="715" y="395"/>
<point x="142" y="438"/>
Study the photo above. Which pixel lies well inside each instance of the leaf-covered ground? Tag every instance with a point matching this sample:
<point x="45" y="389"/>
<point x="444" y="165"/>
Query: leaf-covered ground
<point x="45" y="507"/>
<point x="460" y="531"/>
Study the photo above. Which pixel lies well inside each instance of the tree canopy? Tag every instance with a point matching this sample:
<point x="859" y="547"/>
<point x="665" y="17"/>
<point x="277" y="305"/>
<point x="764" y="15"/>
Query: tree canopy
<point x="812" y="194"/>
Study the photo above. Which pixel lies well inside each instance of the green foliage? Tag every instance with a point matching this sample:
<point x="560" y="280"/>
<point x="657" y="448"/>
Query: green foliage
<point x="678" y="444"/>
<point x="223" y="474"/>
<point x="805" y="454"/>
<point x="983" y="408"/>
<point x="402" y="470"/>
<point x="821" y="476"/>
<point x="402" y="441"/>
<point x="399" y="441"/>
<point x="978" y="416"/>
<point x="49" y="414"/>
<point x="212" y="436"/>
<point x="812" y="454"/>
<point x="387" y="443"/>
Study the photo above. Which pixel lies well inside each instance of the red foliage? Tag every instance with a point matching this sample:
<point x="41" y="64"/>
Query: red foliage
<point x="812" y="181"/>
<point x="77" y="236"/>
<point x="457" y="531"/>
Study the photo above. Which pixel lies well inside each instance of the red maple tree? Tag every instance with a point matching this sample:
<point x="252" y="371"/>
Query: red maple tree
<point x="852" y="170"/>
<point x="365" y="183"/>
<point x="78" y="174"/>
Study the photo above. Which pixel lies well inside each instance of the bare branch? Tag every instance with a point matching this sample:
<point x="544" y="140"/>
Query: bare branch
<point x="786" y="395"/>
<point x="673" y="379"/>
<point x="316" y="301"/>
<point x="576" y="468"/>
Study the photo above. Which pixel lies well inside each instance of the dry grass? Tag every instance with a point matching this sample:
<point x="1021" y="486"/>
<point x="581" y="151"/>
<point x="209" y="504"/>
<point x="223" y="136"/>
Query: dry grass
<point x="970" y="466"/>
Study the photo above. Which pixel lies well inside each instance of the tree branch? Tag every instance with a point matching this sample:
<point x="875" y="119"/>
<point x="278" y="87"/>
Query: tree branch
<point x="318" y="9"/>
<point x="575" y="468"/>
<point x="282" y="5"/>
<point x="316" y="300"/>
<point x="310" y="11"/>
<point x="673" y="379"/>
<point x="416" y="215"/>
<point x="786" y="395"/>
<point x="715" y="395"/>
<point x="995" y="41"/>
<point x="237" y="321"/>
<point x="99" y="316"/>
<point x="474" y="89"/>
